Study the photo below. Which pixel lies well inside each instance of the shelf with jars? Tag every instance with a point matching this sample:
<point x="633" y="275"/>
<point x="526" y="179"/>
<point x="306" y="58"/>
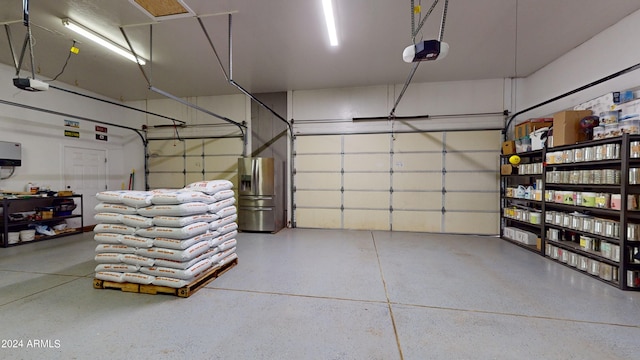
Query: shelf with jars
<point x="590" y="207"/>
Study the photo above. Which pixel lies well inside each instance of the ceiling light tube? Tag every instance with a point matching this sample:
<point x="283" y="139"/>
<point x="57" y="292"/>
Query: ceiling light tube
<point x="331" y="22"/>
<point x="99" y="39"/>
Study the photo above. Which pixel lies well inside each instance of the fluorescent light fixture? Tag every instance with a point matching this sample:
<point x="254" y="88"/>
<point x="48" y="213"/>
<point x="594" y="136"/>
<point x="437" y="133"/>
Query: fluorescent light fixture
<point x="331" y="22"/>
<point x="99" y="39"/>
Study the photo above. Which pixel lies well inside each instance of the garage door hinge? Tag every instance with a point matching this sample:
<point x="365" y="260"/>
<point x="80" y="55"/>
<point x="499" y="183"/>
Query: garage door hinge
<point x="391" y="190"/>
<point x="444" y="151"/>
<point x="391" y="171"/>
<point x="444" y="171"/>
<point x="295" y="171"/>
<point x="444" y="191"/>
<point x="390" y="208"/>
<point x="184" y="171"/>
<point x="341" y="171"/>
<point x="443" y="210"/>
<point x="294" y="189"/>
<point x="342" y="189"/>
<point x="341" y="207"/>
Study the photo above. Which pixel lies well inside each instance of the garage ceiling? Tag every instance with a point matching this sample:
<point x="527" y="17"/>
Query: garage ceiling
<point x="281" y="45"/>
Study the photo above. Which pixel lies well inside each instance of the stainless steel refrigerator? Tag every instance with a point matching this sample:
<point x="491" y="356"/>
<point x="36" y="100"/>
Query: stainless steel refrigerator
<point x="260" y="195"/>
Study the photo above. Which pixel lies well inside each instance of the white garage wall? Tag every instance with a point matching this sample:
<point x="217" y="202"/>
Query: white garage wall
<point x="43" y="140"/>
<point x="332" y="110"/>
<point x="612" y="50"/>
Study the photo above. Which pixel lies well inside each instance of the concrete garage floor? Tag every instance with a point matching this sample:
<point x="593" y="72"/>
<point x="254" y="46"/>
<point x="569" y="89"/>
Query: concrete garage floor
<point x="322" y="294"/>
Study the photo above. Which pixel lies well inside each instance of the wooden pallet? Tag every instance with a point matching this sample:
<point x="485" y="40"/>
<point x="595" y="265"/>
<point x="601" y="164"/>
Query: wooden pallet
<point x="184" y="291"/>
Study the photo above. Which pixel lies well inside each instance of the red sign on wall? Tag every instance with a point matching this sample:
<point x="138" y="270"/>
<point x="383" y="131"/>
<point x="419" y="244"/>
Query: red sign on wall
<point x="101" y="129"/>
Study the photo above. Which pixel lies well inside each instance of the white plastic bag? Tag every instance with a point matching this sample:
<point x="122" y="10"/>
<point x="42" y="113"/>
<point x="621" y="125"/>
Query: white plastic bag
<point x="175" y="264"/>
<point x="115" y="248"/>
<point x="214" y="225"/>
<point x="187" y="209"/>
<point x="122" y="268"/>
<point x="181" y="244"/>
<point x="115" y="208"/>
<point x="114" y="228"/>
<point x="184" y="232"/>
<point x="108" y="218"/>
<point x="107" y="238"/>
<point x="136" y="221"/>
<point x="219" y="205"/>
<point x="210" y="187"/>
<point x="174" y="254"/>
<point x="185" y="274"/>
<point x="133" y="259"/>
<point x="110" y="276"/>
<point x="136" y="241"/>
<point x="138" y="278"/>
<point x="181" y="197"/>
<point x="180" y="221"/>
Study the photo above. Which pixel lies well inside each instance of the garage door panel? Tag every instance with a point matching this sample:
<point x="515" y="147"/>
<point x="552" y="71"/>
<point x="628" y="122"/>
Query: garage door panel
<point x="194" y="177"/>
<point x="193" y="147"/>
<point x="366" y="162"/>
<point x="472" y="223"/>
<point x="194" y="164"/>
<point x="212" y="175"/>
<point x="318" y="144"/>
<point x="166" y="163"/>
<point x="367" y="181"/>
<point x="418" y="142"/>
<point x="366" y="199"/>
<point x="417" y="201"/>
<point x="223" y="146"/>
<point x="484" y="181"/>
<point x="318" y="218"/>
<point x="367" y="143"/>
<point x="320" y="181"/>
<point x="417" y="181"/>
<point x="366" y="219"/>
<point x="473" y="161"/>
<point x="318" y="199"/>
<point x="417" y="221"/>
<point x="330" y="162"/>
<point x="472" y="140"/>
<point x="221" y="163"/>
<point x="472" y="201"/>
<point x="417" y="162"/>
<point x="166" y="147"/>
<point x="166" y="181"/>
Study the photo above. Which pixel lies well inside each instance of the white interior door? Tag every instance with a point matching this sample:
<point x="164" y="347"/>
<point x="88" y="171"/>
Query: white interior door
<point x="85" y="172"/>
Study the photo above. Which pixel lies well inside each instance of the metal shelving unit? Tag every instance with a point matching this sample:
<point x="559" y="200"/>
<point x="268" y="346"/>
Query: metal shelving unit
<point x="515" y="180"/>
<point x="30" y="203"/>
<point x="618" y="268"/>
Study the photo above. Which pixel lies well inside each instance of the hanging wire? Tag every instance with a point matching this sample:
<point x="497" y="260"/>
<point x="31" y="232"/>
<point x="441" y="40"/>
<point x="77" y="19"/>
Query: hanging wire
<point x="65" y="62"/>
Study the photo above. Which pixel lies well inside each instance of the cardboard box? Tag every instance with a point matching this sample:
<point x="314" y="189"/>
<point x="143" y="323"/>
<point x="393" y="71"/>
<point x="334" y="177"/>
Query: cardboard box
<point x="508" y="169"/>
<point x="525" y="128"/>
<point x="508" y="147"/>
<point x="566" y="127"/>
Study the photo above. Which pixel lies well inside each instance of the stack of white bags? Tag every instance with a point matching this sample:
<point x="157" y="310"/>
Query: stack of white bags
<point x="165" y="237"/>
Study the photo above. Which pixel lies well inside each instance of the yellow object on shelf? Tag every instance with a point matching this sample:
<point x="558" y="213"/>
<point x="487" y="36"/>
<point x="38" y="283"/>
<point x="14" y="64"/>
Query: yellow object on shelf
<point x="65" y="193"/>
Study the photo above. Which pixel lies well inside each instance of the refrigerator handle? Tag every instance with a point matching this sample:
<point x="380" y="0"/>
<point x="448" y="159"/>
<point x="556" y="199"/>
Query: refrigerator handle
<point x="256" y="176"/>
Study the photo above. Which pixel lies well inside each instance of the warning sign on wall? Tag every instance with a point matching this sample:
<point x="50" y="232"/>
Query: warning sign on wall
<point x="69" y="133"/>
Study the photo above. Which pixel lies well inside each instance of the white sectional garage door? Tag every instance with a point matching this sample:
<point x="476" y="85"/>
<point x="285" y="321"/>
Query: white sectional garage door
<point x="443" y="182"/>
<point x="176" y="163"/>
